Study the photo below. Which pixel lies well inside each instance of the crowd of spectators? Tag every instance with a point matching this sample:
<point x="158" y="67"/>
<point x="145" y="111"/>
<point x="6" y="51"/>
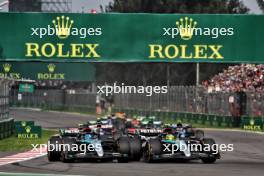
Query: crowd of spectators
<point x="244" y="77"/>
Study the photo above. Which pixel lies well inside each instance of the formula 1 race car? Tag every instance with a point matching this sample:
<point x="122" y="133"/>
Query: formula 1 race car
<point x="146" y="130"/>
<point x="180" y="143"/>
<point x="73" y="144"/>
<point x="143" y="132"/>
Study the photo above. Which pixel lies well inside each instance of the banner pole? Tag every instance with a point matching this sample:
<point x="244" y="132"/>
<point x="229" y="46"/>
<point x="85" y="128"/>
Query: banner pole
<point x="197" y="74"/>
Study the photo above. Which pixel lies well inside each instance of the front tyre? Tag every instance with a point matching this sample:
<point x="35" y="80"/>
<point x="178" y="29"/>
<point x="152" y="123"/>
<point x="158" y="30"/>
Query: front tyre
<point x="153" y="147"/>
<point x="212" y="158"/>
<point x="54" y="152"/>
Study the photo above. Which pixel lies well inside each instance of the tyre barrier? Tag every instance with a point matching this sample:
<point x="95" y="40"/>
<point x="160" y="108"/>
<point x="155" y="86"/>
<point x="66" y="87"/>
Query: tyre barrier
<point x="6" y="128"/>
<point x="207" y="120"/>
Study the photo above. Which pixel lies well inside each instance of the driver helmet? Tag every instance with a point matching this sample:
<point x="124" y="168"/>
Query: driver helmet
<point x="87" y="137"/>
<point x="179" y="127"/>
<point x="170" y="137"/>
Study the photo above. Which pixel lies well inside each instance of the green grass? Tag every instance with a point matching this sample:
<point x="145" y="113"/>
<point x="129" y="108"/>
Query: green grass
<point x="13" y="144"/>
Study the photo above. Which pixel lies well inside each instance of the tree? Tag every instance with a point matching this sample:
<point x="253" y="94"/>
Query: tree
<point x="146" y="73"/>
<point x="261" y="4"/>
<point x="177" y="6"/>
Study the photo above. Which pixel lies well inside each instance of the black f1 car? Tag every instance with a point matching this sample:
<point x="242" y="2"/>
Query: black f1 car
<point x="74" y="144"/>
<point x="181" y="142"/>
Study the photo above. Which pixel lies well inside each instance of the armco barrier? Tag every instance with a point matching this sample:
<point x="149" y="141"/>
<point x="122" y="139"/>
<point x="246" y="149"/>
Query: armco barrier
<point x="6" y="128"/>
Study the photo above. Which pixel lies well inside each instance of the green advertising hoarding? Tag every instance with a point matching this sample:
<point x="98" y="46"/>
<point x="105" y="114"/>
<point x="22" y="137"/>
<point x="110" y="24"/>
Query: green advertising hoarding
<point x="27" y="130"/>
<point x="29" y="88"/>
<point x="48" y="71"/>
<point x="132" y="37"/>
<point x="252" y="123"/>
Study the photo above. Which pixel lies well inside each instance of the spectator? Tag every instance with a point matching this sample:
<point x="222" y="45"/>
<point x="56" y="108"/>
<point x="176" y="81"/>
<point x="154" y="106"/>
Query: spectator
<point x="244" y="77"/>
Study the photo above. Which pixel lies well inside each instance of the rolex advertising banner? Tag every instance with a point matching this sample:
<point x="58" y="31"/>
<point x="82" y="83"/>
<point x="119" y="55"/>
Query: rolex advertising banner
<point x="27" y="130"/>
<point x="252" y="123"/>
<point x="29" y="88"/>
<point x="131" y="37"/>
<point x="48" y="71"/>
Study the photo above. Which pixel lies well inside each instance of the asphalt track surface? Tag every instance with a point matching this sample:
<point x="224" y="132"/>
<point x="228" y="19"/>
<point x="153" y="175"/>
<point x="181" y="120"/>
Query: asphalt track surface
<point x="247" y="159"/>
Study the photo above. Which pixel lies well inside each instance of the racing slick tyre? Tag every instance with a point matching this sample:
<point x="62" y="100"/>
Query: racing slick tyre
<point x="153" y="147"/>
<point x="199" y="134"/>
<point x="54" y="153"/>
<point x="123" y="148"/>
<point x="68" y="143"/>
<point x="135" y="148"/>
<point x="209" y="142"/>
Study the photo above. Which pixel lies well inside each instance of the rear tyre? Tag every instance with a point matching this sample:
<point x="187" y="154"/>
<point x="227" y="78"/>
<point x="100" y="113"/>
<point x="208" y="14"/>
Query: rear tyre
<point x="209" y="142"/>
<point x="54" y="155"/>
<point x="123" y="149"/>
<point x="135" y="148"/>
<point x="199" y="134"/>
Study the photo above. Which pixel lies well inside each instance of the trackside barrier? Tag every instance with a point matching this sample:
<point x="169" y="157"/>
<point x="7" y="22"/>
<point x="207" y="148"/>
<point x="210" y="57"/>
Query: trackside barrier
<point x="27" y="130"/>
<point x="59" y="107"/>
<point x="6" y="128"/>
<point x="252" y="123"/>
<point x="192" y="118"/>
<point x="215" y="121"/>
<point x="71" y="108"/>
